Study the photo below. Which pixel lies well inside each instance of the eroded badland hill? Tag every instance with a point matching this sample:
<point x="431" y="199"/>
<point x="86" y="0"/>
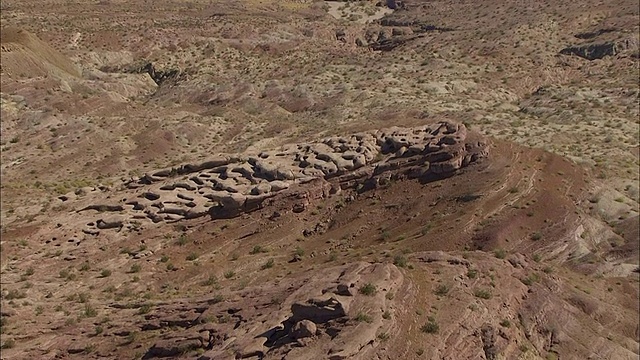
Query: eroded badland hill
<point x="319" y="180"/>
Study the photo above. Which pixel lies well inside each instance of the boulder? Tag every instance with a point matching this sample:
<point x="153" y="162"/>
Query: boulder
<point x="304" y="329"/>
<point x="110" y="222"/>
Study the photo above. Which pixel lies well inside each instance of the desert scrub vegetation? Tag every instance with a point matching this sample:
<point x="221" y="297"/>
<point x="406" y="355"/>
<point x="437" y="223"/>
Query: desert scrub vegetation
<point x="472" y="273"/>
<point x="500" y="253"/>
<point x="258" y="250"/>
<point x="441" y="290"/>
<point x="105" y="273"/>
<point x="368" y="289"/>
<point x="482" y="294"/>
<point x="431" y="327"/>
<point x="400" y="261"/>
<point x="15" y="294"/>
<point x="268" y="265"/>
<point x="362" y="317"/>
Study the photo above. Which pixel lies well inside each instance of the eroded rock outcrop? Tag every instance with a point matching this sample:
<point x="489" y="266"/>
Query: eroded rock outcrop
<point x="598" y="50"/>
<point x="310" y="322"/>
<point x="228" y="185"/>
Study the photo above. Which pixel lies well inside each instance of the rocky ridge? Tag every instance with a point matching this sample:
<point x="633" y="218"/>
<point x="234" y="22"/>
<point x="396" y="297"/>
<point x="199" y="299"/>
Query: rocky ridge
<point x="229" y="185"/>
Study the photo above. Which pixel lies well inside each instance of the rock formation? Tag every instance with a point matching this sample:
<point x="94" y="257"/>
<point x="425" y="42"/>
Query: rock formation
<point x="228" y="185"/>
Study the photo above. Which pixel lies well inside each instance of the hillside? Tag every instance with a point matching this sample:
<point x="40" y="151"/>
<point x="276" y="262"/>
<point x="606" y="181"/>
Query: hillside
<point x="326" y="180"/>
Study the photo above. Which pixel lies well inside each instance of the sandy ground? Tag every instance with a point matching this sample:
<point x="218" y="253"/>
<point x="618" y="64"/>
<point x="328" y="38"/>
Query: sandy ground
<point x="336" y="11"/>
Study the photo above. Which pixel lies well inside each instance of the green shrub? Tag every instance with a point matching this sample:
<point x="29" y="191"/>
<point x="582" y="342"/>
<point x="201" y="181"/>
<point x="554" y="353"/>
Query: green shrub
<point x="368" y="289"/>
<point x="182" y="239"/>
<point x="98" y="330"/>
<point x="257" y="250"/>
<point x="482" y="294"/>
<point x="145" y="308"/>
<point x="430" y="327"/>
<point x="400" y="261"/>
<point x="471" y="274"/>
<point x="441" y="290"/>
<point x="89" y="311"/>
<point x="362" y="317"/>
<point x="268" y="265"/>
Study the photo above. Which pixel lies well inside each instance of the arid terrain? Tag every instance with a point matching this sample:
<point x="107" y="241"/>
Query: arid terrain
<point x="320" y="180"/>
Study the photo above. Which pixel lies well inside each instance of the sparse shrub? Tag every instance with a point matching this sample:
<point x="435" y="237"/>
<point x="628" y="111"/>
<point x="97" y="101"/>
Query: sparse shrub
<point x="98" y="330"/>
<point x="441" y="290"/>
<point x="170" y="267"/>
<point x="105" y="273"/>
<point x="85" y="267"/>
<point x="216" y="299"/>
<point x="15" y="294"/>
<point x="39" y="310"/>
<point x="362" y="317"/>
<point x="182" y="240"/>
<point x="29" y="271"/>
<point x="131" y="337"/>
<point x="500" y="253"/>
<point x="389" y="296"/>
<point x="537" y="257"/>
<point x="164" y="258"/>
<point x="211" y="280"/>
<point x="368" y="289"/>
<point x="229" y="274"/>
<point x="235" y="256"/>
<point x="83" y="298"/>
<point x="89" y="311"/>
<point x="482" y="294"/>
<point x="400" y="261"/>
<point x="505" y="323"/>
<point x="386" y="315"/>
<point x="257" y="250"/>
<point x="536" y="236"/>
<point x="135" y="268"/>
<point x="472" y="273"/>
<point x="8" y="344"/>
<point x="268" y="265"/>
<point x="192" y="256"/>
<point x="430" y="327"/>
<point x="529" y="280"/>
<point x="144" y="308"/>
<point x="299" y="251"/>
<point x="383" y="336"/>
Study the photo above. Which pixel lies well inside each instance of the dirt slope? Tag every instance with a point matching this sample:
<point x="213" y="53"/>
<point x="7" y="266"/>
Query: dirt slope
<point x="24" y="55"/>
